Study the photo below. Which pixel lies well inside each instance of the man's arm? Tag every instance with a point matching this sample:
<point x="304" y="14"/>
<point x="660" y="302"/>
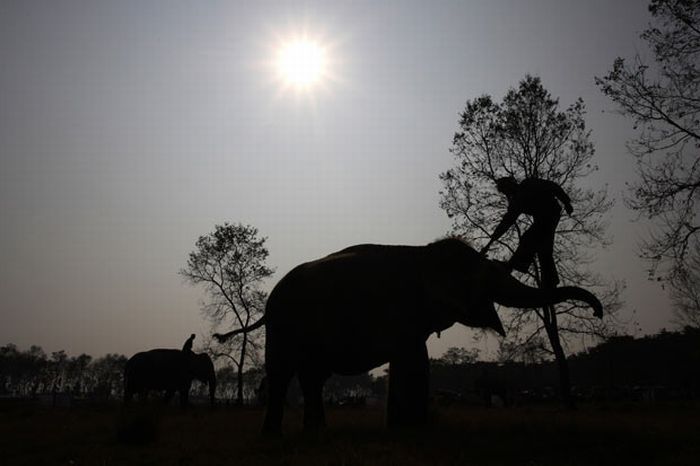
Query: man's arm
<point x="560" y="194"/>
<point x="508" y="220"/>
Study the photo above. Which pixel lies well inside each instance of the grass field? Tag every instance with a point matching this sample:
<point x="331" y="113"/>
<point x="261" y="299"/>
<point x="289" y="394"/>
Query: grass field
<point x="109" y="435"/>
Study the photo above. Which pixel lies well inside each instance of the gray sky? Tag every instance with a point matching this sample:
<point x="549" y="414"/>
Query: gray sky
<point x="129" y="128"/>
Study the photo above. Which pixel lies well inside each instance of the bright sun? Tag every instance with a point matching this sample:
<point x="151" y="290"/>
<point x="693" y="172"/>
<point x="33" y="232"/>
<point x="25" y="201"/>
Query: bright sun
<point x="301" y="63"/>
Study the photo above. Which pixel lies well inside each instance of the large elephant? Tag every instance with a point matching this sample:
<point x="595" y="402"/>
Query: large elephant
<point x="367" y="305"/>
<point x="169" y="370"/>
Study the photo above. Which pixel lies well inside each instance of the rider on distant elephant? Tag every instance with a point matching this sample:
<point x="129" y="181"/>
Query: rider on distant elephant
<point x="188" y="344"/>
<point x="537" y="198"/>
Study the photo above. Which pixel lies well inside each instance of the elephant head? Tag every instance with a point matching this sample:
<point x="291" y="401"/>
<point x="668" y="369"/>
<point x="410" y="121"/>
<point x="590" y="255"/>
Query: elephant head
<point x="464" y="287"/>
<point x="202" y="369"/>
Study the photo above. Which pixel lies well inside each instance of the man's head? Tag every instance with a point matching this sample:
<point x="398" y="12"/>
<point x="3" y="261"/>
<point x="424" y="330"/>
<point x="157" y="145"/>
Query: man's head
<point x="506" y="185"/>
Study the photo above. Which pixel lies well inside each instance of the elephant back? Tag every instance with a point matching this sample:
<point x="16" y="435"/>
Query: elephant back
<point x="158" y="368"/>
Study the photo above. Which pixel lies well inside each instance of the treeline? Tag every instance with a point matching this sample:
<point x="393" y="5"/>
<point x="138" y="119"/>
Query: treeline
<point x="668" y="362"/>
<point x="33" y="373"/>
<point x="27" y="374"/>
<point x="660" y="367"/>
<point x="665" y="366"/>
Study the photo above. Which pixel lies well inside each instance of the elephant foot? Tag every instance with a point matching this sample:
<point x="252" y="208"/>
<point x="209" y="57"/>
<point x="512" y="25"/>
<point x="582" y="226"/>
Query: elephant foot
<point x="313" y="433"/>
<point x="272" y="426"/>
<point x="314" y="426"/>
<point x="407" y="400"/>
<point x="271" y="432"/>
<point x="407" y="419"/>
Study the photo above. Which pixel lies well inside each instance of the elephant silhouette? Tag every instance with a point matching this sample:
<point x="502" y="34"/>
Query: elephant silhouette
<point x="169" y="370"/>
<point x="367" y="305"/>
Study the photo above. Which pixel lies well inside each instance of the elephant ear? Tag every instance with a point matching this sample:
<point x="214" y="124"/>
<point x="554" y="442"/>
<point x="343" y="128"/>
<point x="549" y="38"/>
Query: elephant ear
<point x="484" y="315"/>
<point x="201" y="366"/>
<point x="460" y="299"/>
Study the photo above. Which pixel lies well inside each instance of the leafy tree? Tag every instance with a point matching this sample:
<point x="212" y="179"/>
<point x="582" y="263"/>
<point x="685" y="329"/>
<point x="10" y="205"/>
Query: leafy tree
<point x="77" y="373"/>
<point x="108" y="376"/>
<point x="348" y="389"/>
<point x="37" y="362"/>
<point x="57" y="369"/>
<point x="29" y="373"/>
<point x="22" y="373"/>
<point x="459" y="356"/>
<point x="662" y="98"/>
<point x="527" y="135"/>
<point x="9" y="369"/>
<point x="230" y="264"/>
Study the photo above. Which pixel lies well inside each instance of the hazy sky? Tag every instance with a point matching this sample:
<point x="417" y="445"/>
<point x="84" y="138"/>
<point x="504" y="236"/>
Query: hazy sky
<point x="129" y="128"/>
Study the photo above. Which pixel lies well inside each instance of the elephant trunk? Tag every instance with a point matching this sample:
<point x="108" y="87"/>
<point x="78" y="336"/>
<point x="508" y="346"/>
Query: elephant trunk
<point x="519" y="295"/>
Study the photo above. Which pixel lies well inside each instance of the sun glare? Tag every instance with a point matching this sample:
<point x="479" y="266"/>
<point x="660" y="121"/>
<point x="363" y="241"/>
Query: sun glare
<point x="301" y="63"/>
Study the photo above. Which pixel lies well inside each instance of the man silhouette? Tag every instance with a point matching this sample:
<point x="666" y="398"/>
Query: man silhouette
<point x="188" y="344"/>
<point x="537" y="198"/>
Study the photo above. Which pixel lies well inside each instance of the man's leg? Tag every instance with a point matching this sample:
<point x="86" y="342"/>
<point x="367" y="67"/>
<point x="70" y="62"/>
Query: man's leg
<point x="525" y="253"/>
<point x="545" y="253"/>
<point x="550" y="277"/>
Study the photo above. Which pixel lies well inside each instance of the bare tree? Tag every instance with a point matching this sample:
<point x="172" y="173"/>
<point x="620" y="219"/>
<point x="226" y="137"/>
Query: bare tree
<point x="230" y="350"/>
<point x="685" y="292"/>
<point x="527" y="136"/>
<point x="662" y="97"/>
<point x="230" y="263"/>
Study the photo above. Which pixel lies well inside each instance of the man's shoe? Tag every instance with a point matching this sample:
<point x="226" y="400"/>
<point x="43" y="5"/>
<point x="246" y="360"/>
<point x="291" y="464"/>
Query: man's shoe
<point x="503" y="264"/>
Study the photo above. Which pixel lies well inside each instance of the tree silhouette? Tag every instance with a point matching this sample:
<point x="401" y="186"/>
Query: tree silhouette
<point x="29" y="373"/>
<point x="685" y="293"/>
<point x="456" y="356"/>
<point x="662" y="97"/>
<point x="107" y="376"/>
<point x="526" y="136"/>
<point x="230" y="263"/>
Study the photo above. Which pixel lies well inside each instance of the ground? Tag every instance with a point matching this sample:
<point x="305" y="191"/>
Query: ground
<point x="109" y="435"/>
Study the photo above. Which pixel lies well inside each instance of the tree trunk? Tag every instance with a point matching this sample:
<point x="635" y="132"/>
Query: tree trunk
<point x="239" y="392"/>
<point x="552" y="329"/>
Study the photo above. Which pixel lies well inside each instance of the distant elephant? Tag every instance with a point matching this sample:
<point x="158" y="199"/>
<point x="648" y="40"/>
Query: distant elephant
<point x="169" y="370"/>
<point x="488" y="385"/>
<point x="366" y="305"/>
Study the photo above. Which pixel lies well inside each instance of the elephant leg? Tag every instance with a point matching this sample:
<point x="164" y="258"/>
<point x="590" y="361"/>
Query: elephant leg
<point x="278" y="381"/>
<point x="409" y="374"/>
<point x="184" y="398"/>
<point x="143" y="394"/>
<point x="184" y="391"/>
<point x="128" y="395"/>
<point x="312" y="387"/>
<point x="168" y="396"/>
<point x="131" y="388"/>
<point x="487" y="398"/>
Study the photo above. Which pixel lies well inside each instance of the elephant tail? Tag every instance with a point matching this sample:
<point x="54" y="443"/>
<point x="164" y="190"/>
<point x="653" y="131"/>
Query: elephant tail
<point x="223" y="337"/>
